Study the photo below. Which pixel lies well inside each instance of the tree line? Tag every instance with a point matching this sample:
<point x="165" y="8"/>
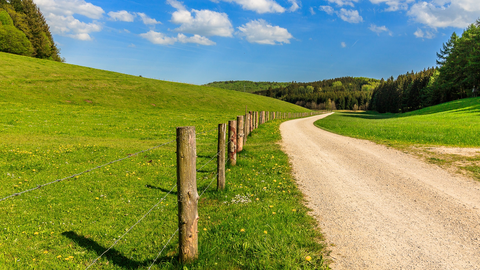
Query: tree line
<point x="346" y="93"/>
<point x="457" y="76"/>
<point x="24" y="31"/>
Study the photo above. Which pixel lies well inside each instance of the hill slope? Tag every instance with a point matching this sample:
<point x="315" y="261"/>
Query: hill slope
<point x="58" y="120"/>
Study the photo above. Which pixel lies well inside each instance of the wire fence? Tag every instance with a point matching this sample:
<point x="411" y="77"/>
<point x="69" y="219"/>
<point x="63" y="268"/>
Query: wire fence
<point x="254" y="118"/>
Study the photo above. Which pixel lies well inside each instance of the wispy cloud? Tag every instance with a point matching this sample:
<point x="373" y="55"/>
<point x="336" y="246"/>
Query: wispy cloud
<point x="380" y="29"/>
<point x="421" y="34"/>
<point x="260" y="6"/>
<point x="161" y="39"/>
<point x="122" y="15"/>
<point x="351" y="16"/>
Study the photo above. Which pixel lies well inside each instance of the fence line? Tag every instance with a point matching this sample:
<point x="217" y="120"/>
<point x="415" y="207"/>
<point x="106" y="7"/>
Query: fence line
<point x="140" y="220"/>
<point x="251" y="119"/>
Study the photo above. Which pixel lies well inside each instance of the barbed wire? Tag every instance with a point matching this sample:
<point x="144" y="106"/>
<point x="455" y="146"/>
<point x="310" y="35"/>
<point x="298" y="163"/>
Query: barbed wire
<point x="140" y="220"/>
<point x="168" y="242"/>
<point x="86" y="171"/>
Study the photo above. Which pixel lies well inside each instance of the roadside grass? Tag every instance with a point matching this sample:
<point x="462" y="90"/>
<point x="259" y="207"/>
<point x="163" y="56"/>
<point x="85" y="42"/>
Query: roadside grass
<point x="68" y="224"/>
<point x="452" y="124"/>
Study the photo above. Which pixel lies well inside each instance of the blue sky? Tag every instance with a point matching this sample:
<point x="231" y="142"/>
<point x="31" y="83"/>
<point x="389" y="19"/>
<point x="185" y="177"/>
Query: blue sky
<point x="260" y="40"/>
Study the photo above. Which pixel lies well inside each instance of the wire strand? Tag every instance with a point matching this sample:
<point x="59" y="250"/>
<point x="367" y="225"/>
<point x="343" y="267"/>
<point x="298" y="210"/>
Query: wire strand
<point x="168" y="242"/>
<point x="86" y="171"/>
<point x="116" y="241"/>
<point x="209" y="161"/>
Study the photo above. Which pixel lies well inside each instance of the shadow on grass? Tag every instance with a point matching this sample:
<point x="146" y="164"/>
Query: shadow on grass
<point x="162" y="189"/>
<point x="113" y="256"/>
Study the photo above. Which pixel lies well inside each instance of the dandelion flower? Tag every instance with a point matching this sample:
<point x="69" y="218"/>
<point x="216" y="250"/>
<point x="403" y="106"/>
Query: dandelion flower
<point x="45" y="252"/>
<point x="294" y="210"/>
<point x="59" y="256"/>
<point x="242" y="230"/>
<point x="273" y="213"/>
<point x="205" y="229"/>
<point x="308" y="258"/>
<point x="271" y="206"/>
<point x="265" y="232"/>
<point x="36" y="233"/>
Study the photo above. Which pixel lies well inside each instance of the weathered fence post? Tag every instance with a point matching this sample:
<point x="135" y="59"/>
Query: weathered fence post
<point x="222" y="130"/>
<point x="232" y="142"/>
<point x="187" y="195"/>
<point x="240" y="133"/>
<point x="247" y="128"/>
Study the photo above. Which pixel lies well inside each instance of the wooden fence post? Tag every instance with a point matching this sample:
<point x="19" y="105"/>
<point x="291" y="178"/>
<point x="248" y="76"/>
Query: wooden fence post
<point x="240" y="133"/>
<point x="187" y="195"/>
<point x="232" y="142"/>
<point x="247" y="128"/>
<point x="222" y="130"/>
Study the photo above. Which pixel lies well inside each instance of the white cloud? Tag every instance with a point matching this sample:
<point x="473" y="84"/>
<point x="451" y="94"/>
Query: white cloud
<point x="312" y="11"/>
<point x="71" y="27"/>
<point x="343" y="44"/>
<point x="123" y="16"/>
<point x="259" y="6"/>
<point x="195" y="39"/>
<point x="69" y="8"/>
<point x="259" y="31"/>
<point x="161" y="39"/>
<point x="342" y="3"/>
<point x="394" y="5"/>
<point x="445" y="13"/>
<point x="328" y="9"/>
<point x="295" y="5"/>
<point x="350" y="16"/>
<point x="203" y="23"/>
<point x="427" y="34"/>
<point x="158" y="38"/>
<point x="379" y="29"/>
<point x="147" y="20"/>
<point x="59" y="16"/>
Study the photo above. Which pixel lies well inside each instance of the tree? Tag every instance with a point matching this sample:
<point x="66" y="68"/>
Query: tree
<point x="446" y="50"/>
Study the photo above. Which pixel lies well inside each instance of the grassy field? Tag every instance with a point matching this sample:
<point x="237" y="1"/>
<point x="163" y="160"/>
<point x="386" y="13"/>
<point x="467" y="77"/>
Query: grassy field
<point x="452" y="124"/>
<point x="59" y="120"/>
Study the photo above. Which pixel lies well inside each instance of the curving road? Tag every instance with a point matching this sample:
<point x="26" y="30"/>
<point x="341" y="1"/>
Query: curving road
<point x="380" y="208"/>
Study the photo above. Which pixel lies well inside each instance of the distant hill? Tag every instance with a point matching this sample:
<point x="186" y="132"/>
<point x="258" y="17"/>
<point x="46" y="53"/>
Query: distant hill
<point x="247" y="86"/>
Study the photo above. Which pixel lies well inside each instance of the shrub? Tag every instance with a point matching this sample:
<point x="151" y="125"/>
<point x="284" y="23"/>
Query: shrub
<point x="14" y="41"/>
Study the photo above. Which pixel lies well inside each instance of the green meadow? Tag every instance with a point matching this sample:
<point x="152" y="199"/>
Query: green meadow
<point x="455" y="123"/>
<point x="58" y="120"/>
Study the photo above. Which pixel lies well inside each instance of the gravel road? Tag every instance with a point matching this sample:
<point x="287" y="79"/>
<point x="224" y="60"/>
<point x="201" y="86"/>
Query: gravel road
<point x="380" y="208"/>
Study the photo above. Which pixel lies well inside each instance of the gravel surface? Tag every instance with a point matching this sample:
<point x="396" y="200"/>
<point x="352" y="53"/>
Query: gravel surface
<point x="380" y="208"/>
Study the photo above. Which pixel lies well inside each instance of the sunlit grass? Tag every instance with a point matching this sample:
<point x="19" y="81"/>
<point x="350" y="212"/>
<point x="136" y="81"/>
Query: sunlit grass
<point x="455" y="123"/>
<point x="59" y="120"/>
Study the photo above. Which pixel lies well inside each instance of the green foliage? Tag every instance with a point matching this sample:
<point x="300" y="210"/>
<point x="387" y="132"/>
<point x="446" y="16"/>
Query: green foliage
<point x="5" y="18"/>
<point x="246" y="86"/>
<point x="27" y="18"/>
<point x="14" y="41"/>
<point x="59" y="119"/>
<point x="344" y="92"/>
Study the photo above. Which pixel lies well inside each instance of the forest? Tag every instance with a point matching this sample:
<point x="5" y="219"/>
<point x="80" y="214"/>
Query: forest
<point x="346" y="93"/>
<point x="24" y="31"/>
<point x="457" y="76"/>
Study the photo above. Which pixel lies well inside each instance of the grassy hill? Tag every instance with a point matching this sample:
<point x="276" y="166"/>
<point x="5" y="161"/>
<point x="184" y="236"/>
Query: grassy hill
<point x="247" y="86"/>
<point x="59" y="120"/>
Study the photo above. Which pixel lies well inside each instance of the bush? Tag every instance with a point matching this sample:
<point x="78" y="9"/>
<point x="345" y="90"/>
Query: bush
<point x="14" y="41"/>
<point x="5" y="18"/>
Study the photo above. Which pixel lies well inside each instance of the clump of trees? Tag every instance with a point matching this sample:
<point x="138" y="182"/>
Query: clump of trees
<point x="24" y="30"/>
<point x="346" y="93"/>
<point x="458" y="76"/>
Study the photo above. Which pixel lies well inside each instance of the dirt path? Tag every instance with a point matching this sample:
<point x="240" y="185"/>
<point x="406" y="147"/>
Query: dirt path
<point x="381" y="208"/>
